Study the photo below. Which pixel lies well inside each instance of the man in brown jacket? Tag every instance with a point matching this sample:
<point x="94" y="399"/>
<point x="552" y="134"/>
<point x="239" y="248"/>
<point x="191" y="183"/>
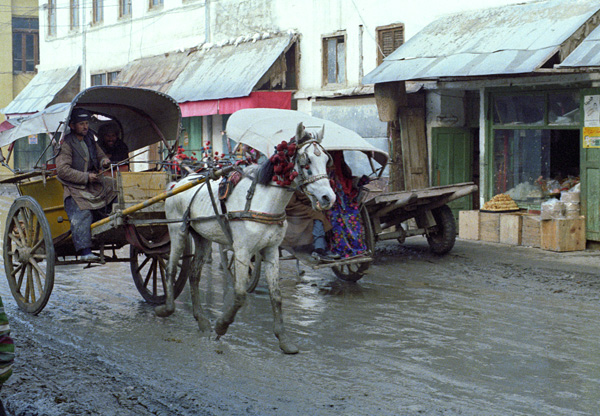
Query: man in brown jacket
<point x="88" y="195"/>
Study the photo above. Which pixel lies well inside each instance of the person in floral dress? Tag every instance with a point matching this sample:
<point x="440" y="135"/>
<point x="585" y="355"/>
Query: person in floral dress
<point x="346" y="236"/>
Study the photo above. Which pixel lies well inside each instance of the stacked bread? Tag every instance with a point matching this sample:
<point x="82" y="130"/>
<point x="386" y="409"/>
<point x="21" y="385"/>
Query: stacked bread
<point x="499" y="203"/>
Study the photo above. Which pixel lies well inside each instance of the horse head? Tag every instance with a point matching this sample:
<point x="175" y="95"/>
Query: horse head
<point x="311" y="163"/>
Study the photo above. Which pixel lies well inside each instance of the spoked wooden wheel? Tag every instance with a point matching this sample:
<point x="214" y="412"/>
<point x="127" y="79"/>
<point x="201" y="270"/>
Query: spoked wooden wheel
<point x="228" y="263"/>
<point x="353" y="272"/>
<point x="29" y="255"/>
<point x="149" y="273"/>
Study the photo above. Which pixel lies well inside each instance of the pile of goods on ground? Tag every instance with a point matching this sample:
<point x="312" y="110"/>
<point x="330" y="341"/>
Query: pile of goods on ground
<point x="500" y="203"/>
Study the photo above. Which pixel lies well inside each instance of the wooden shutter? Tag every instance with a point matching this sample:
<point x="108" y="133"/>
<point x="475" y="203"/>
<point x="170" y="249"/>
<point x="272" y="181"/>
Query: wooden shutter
<point x="389" y="39"/>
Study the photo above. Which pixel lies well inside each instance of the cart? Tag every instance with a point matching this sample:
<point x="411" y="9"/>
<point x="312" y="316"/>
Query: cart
<point x="384" y="215"/>
<point x="37" y="231"/>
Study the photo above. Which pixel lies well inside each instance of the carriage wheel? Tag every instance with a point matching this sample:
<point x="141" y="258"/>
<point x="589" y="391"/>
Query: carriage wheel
<point x="441" y="239"/>
<point x="149" y="273"/>
<point x="29" y="255"/>
<point x="227" y="261"/>
<point x="355" y="271"/>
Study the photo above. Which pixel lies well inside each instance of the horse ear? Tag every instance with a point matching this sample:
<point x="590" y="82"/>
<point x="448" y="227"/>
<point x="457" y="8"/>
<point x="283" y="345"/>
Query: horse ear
<point x="321" y="134"/>
<point x="299" y="132"/>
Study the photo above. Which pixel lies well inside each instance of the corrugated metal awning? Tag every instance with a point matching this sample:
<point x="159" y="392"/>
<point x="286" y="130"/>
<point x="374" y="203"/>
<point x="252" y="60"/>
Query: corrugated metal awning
<point x="514" y="39"/>
<point x="46" y="88"/>
<point x="154" y="73"/>
<point x="229" y="71"/>
<point x="587" y="54"/>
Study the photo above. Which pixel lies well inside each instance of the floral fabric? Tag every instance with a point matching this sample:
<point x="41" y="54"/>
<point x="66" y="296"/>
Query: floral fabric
<point x="346" y="235"/>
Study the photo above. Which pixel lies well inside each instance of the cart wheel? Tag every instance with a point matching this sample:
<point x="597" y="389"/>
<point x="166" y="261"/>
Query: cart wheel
<point x="227" y="261"/>
<point x="442" y="237"/>
<point x="149" y="273"/>
<point x="354" y="272"/>
<point x="29" y="255"/>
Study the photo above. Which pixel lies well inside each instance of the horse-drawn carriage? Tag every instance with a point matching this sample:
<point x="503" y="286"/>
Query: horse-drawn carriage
<point x="37" y="231"/>
<point x="170" y="232"/>
<point x="383" y="215"/>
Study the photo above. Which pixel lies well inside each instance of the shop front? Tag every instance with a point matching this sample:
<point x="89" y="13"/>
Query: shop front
<point x="536" y="139"/>
<point x="533" y="145"/>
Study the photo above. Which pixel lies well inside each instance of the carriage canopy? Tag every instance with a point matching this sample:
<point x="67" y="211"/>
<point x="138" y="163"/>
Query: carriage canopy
<point x="264" y="128"/>
<point x="145" y="116"/>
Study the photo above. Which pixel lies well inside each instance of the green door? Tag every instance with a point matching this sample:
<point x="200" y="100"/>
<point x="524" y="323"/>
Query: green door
<point x="590" y="175"/>
<point x="452" y="156"/>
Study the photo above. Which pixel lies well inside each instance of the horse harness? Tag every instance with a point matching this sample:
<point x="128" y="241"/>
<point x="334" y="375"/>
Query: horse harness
<point x="247" y="214"/>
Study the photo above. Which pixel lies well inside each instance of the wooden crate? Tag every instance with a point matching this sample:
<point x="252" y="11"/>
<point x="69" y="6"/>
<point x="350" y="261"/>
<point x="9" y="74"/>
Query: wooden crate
<point x="489" y="227"/>
<point x="531" y="230"/>
<point x="563" y="234"/>
<point x="510" y="229"/>
<point x="468" y="225"/>
<point x="136" y="187"/>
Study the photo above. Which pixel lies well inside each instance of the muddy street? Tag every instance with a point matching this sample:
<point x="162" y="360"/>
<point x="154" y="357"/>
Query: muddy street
<point x="485" y="330"/>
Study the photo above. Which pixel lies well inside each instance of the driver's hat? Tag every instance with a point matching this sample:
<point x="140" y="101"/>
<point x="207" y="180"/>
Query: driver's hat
<point x="80" y="114"/>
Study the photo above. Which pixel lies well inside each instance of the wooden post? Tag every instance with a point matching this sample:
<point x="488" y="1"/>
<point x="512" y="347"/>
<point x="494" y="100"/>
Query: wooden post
<point x="396" y="162"/>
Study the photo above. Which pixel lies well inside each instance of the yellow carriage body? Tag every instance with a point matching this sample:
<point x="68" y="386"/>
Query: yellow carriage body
<point x="132" y="188"/>
<point x="49" y="194"/>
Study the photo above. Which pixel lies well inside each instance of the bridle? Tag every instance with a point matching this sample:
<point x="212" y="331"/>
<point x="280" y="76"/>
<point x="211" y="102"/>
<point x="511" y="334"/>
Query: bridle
<point x="305" y="176"/>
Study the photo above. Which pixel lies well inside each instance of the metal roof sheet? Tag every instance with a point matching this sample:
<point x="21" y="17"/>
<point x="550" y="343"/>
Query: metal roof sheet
<point x="46" y="88"/>
<point x="154" y="73"/>
<point x="228" y="71"/>
<point x="511" y="39"/>
<point x="586" y="54"/>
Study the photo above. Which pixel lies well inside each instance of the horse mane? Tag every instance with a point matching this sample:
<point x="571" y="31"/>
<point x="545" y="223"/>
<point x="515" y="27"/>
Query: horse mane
<point x="264" y="172"/>
<point x="265" y="169"/>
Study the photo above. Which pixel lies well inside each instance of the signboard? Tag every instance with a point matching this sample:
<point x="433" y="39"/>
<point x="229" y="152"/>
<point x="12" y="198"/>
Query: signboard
<point x="33" y="139"/>
<point x="591" y="109"/>
<point x="591" y="137"/>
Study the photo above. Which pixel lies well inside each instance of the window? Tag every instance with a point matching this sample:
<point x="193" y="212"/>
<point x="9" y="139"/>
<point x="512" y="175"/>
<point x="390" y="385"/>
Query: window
<point x="389" y="38"/>
<point x="104" y="78"/>
<point x="97" y="11"/>
<point x="29" y="151"/>
<point x="535" y="146"/>
<point x="74" y="10"/>
<point x="51" y="17"/>
<point x="99" y="79"/>
<point x="25" y="44"/>
<point x="334" y="60"/>
<point x="124" y="8"/>
<point x="156" y="3"/>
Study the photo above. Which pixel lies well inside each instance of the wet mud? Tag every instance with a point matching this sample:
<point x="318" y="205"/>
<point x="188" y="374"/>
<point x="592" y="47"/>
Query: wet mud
<point x="485" y="330"/>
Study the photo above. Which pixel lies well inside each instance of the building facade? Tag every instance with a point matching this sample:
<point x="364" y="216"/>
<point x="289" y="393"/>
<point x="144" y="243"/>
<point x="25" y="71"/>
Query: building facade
<point x="19" y="46"/>
<point x="509" y="101"/>
<point x="305" y="55"/>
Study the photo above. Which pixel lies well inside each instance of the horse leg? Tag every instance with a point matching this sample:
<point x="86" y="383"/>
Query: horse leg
<point x="271" y="264"/>
<point x="242" y="266"/>
<point x="202" y="251"/>
<point x="178" y="241"/>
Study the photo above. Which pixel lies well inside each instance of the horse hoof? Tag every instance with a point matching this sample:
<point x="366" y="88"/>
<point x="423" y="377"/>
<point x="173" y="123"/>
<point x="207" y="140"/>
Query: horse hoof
<point x="221" y="328"/>
<point x="204" y="327"/>
<point x="288" y="347"/>
<point x="163" y="311"/>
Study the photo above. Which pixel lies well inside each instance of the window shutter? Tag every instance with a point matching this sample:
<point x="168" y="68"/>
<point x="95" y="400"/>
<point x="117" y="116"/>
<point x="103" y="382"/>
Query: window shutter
<point x="389" y="40"/>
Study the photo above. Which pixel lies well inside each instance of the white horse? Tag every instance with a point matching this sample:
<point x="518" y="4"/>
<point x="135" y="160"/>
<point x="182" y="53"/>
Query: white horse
<point x="257" y="226"/>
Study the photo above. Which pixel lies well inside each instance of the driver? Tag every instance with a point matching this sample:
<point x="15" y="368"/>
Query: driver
<point x="88" y="195"/>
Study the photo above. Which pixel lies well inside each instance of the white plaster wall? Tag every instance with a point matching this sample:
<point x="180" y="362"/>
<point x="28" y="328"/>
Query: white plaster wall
<point x="115" y="42"/>
<point x="180" y="24"/>
<point x="314" y="18"/>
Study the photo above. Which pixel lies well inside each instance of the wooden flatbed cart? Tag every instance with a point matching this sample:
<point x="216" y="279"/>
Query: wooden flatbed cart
<point x="385" y="216"/>
<point x="37" y="232"/>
